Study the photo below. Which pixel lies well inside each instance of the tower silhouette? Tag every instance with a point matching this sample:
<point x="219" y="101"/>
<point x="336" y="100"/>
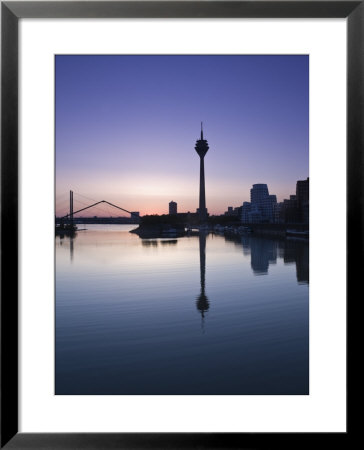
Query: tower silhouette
<point x="201" y="148"/>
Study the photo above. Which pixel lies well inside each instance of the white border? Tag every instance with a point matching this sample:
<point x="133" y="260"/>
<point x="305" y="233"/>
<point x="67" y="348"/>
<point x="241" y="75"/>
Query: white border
<point x="324" y="408"/>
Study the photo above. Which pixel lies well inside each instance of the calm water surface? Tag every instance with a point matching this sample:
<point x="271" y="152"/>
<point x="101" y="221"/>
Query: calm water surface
<point x="193" y="315"/>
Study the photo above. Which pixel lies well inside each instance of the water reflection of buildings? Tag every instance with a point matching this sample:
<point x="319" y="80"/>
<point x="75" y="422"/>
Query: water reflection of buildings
<point x="296" y="251"/>
<point x="202" y="302"/>
<point x="264" y="251"/>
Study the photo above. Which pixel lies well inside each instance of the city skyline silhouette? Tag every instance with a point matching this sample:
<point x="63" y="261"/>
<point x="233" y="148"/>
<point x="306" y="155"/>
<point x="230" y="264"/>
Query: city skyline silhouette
<point x="125" y="127"/>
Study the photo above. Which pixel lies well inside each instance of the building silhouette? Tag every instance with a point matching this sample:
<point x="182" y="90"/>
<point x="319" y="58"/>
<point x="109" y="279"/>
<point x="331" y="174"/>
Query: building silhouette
<point x="302" y="197"/>
<point x="295" y="209"/>
<point x="245" y="212"/>
<point x="261" y="208"/>
<point x="172" y="207"/>
<point x="201" y="148"/>
<point x="233" y="211"/>
<point x="289" y="210"/>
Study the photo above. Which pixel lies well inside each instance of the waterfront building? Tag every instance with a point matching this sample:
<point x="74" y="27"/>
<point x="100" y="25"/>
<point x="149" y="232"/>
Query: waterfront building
<point x="262" y="204"/>
<point x="296" y="208"/>
<point x="201" y="148"/>
<point x="277" y="213"/>
<point x="237" y="211"/>
<point x="233" y="212"/>
<point x="255" y="216"/>
<point x="245" y="210"/>
<point x="302" y="195"/>
<point x="172" y="207"/>
<point x="250" y="213"/>
<point x="289" y="210"/>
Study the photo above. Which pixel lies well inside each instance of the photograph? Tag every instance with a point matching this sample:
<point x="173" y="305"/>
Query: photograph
<point x="181" y="224"/>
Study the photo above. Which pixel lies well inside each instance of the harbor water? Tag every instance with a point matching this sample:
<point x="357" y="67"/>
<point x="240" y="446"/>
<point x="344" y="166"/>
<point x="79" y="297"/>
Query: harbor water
<point x="201" y="314"/>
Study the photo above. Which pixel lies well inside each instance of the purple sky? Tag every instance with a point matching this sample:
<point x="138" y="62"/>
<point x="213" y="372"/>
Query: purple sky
<point x="126" y="127"/>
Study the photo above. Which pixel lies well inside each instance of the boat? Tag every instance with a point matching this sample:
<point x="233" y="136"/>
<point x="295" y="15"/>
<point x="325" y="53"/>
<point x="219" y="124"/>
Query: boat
<point x="169" y="232"/>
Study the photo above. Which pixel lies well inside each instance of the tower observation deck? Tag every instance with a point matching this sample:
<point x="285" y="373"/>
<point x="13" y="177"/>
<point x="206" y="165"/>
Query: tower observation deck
<point x="201" y="148"/>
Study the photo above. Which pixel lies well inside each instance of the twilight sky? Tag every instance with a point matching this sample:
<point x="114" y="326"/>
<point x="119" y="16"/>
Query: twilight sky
<point x="126" y="128"/>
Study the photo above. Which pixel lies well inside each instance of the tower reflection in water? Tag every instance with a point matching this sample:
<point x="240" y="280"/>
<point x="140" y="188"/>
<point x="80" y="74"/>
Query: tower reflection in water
<point x="71" y="248"/>
<point x="202" y="302"/>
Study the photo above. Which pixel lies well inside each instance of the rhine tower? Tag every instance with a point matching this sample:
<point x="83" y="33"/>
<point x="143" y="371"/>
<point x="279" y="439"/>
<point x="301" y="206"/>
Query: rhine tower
<point x="201" y="148"/>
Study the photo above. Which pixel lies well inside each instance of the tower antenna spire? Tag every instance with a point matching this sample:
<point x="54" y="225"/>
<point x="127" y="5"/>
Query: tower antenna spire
<point x="201" y="132"/>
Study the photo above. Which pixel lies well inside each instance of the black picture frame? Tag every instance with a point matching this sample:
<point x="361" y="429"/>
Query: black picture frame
<point x="11" y="12"/>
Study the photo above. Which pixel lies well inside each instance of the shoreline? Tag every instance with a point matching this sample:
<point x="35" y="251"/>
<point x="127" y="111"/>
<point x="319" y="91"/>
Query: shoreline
<point x="147" y="231"/>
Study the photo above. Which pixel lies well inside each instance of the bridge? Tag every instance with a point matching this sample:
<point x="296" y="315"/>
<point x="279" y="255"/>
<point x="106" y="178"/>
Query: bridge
<point x="70" y="216"/>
